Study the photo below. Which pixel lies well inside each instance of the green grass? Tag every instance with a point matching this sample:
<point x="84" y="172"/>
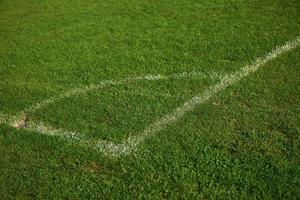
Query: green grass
<point x="244" y="143"/>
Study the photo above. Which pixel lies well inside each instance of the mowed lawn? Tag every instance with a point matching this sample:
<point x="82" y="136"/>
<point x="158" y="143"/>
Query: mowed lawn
<point x="243" y="143"/>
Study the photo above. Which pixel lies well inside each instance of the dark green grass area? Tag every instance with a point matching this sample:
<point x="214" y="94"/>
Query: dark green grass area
<point x="244" y="143"/>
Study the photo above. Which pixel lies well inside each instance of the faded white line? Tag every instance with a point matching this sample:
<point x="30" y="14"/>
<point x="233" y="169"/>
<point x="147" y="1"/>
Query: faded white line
<point x="128" y="80"/>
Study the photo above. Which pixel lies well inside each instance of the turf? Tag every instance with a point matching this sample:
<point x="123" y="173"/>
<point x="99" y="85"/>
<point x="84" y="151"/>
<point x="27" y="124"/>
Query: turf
<point x="242" y="144"/>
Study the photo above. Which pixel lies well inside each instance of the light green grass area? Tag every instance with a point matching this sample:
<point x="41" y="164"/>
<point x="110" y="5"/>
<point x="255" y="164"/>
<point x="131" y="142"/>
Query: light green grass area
<point x="244" y="143"/>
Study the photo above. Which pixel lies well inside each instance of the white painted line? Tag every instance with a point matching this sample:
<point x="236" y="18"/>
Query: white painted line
<point x="131" y="144"/>
<point x="133" y="141"/>
<point x="128" y="80"/>
<point x="80" y="138"/>
<point x="73" y="137"/>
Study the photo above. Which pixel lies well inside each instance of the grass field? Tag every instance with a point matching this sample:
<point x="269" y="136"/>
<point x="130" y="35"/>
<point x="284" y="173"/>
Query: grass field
<point x="135" y="99"/>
